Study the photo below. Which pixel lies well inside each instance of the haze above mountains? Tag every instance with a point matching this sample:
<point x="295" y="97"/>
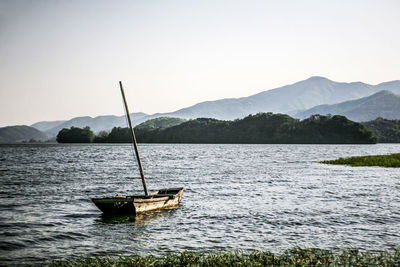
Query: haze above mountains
<point x="314" y="95"/>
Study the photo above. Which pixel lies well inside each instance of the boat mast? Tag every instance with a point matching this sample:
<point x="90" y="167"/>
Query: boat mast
<point x="134" y="141"/>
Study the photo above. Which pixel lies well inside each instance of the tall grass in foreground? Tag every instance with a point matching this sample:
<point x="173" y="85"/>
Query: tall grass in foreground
<point x="392" y="160"/>
<point x="293" y="257"/>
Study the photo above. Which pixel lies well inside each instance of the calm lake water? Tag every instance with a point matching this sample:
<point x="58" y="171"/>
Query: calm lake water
<point x="236" y="197"/>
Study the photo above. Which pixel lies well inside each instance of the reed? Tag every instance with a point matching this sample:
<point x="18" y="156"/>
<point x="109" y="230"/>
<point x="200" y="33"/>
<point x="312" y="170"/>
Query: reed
<point x="391" y="161"/>
<point x="293" y="257"/>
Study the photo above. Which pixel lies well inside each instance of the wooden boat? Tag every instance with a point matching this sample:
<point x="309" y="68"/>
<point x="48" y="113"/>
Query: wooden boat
<point x="132" y="205"/>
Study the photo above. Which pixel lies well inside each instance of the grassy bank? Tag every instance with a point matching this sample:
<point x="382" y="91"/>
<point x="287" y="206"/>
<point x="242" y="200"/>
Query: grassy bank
<point x="292" y="257"/>
<point x="392" y="160"/>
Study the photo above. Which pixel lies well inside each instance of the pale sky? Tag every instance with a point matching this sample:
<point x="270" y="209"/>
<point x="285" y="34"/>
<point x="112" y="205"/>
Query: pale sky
<point x="63" y="59"/>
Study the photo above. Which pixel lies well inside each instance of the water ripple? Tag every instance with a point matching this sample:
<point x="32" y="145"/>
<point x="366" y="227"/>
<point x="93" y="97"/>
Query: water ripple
<point x="236" y="197"/>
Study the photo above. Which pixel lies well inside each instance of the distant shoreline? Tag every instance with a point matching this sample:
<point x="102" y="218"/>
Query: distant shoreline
<point x="154" y="143"/>
<point x="262" y="128"/>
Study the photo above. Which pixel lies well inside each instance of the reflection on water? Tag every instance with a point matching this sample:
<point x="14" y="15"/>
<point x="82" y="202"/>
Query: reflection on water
<point x="116" y="219"/>
<point x="138" y="220"/>
<point x="236" y="197"/>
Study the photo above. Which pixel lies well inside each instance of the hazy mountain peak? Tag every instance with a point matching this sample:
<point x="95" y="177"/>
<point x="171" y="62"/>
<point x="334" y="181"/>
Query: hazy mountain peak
<point x="318" y="78"/>
<point x="384" y="93"/>
<point x="393" y="86"/>
<point x="390" y="83"/>
<point x="383" y="104"/>
<point x="47" y="125"/>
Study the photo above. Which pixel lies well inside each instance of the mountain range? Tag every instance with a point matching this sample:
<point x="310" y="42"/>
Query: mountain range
<point x="96" y="124"/>
<point x="359" y="101"/>
<point x="384" y="104"/>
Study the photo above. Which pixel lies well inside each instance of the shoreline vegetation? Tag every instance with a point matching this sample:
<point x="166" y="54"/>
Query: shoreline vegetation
<point x="262" y="128"/>
<point x="292" y="257"/>
<point x="391" y="161"/>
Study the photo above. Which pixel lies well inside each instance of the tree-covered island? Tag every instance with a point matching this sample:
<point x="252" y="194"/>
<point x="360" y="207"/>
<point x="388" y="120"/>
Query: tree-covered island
<point x="75" y="135"/>
<point x="262" y="128"/>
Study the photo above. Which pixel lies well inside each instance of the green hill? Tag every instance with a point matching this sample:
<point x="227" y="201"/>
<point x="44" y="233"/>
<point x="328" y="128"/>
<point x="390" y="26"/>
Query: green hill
<point x="387" y="131"/>
<point x="162" y="122"/>
<point x="21" y="133"/>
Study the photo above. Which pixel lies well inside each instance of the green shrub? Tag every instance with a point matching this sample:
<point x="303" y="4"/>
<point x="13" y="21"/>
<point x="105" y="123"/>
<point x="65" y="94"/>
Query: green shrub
<point x="292" y="257"/>
<point x="392" y="161"/>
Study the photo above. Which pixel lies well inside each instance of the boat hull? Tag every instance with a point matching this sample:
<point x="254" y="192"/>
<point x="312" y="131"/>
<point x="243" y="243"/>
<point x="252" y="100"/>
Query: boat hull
<point x="133" y="205"/>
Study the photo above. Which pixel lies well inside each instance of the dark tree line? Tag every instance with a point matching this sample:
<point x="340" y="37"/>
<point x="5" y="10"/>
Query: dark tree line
<point x="75" y="135"/>
<point x="387" y="131"/>
<point x="262" y="128"/>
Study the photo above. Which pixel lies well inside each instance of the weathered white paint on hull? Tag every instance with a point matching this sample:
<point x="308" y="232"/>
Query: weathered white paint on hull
<point x="161" y="199"/>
